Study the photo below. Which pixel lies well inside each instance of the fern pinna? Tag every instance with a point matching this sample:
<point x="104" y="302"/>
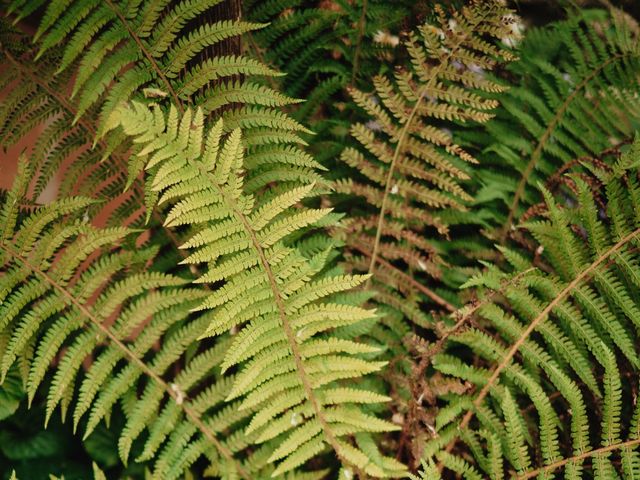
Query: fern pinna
<point x="556" y="346"/>
<point x="286" y="310"/>
<point x="409" y="170"/>
<point x="35" y="100"/>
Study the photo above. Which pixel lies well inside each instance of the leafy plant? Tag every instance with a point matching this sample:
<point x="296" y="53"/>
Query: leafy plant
<point x="261" y="216"/>
<point x="286" y="312"/>
<point x="558" y="345"/>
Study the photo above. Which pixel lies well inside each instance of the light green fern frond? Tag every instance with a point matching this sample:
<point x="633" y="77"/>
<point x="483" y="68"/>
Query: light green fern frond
<point x="283" y="308"/>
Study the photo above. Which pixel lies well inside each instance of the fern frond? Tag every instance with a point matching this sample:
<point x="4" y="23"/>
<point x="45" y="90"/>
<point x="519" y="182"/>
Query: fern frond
<point x="413" y="168"/>
<point x="36" y="102"/>
<point x="123" y="50"/>
<point x="575" y="100"/>
<point x="87" y="304"/>
<point x="562" y="339"/>
<point x="279" y="302"/>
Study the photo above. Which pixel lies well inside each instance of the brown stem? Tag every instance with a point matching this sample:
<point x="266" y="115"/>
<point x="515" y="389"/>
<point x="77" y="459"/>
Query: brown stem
<point x="592" y="453"/>
<point x="404" y="134"/>
<point x="409" y="279"/>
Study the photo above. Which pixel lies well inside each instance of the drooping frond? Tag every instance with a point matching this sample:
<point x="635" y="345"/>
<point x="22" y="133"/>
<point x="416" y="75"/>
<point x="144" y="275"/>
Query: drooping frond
<point x="556" y="354"/>
<point x="85" y="323"/>
<point x="35" y="101"/>
<point x="117" y="50"/>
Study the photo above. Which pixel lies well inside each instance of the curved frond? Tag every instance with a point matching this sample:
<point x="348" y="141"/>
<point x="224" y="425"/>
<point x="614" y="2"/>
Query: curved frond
<point x="560" y="346"/>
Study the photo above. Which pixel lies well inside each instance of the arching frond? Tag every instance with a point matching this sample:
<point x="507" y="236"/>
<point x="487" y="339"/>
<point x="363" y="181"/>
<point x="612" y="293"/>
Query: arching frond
<point x="576" y="98"/>
<point x="86" y="324"/>
<point x="557" y="357"/>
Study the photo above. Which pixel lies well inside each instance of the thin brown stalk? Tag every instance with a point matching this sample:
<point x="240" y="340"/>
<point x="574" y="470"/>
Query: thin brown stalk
<point x="409" y="279"/>
<point x="592" y="453"/>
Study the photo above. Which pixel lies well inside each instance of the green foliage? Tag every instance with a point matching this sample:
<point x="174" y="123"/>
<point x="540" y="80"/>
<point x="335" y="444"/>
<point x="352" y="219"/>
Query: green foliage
<point x="412" y="165"/>
<point x="576" y="97"/>
<point x="248" y="266"/>
<point x="88" y="304"/>
<point x="325" y="47"/>
<point x="283" y="307"/>
<point x="556" y="347"/>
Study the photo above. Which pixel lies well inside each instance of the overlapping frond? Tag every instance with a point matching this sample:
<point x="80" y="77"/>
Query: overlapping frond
<point x="323" y="47"/>
<point x="289" y="313"/>
<point x="410" y="169"/>
<point x="87" y="324"/>
<point x="116" y="50"/>
<point x="556" y="354"/>
<point x="576" y="97"/>
<point x="35" y="102"/>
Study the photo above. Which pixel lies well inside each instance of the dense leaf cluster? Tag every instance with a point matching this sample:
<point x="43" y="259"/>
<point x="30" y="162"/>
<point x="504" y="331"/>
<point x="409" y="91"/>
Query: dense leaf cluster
<point x="310" y="239"/>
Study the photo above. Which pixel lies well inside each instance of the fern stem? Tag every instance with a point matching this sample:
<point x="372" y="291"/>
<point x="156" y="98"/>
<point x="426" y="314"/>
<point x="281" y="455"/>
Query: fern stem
<point x="356" y="56"/>
<point x="409" y="279"/>
<point x="546" y="136"/>
<point x="405" y="133"/>
<point x="188" y="411"/>
<point x="592" y="453"/>
<point x="464" y="423"/>
<point x="146" y="53"/>
<point x="54" y="94"/>
<point x="425" y="360"/>
<point x="466" y="318"/>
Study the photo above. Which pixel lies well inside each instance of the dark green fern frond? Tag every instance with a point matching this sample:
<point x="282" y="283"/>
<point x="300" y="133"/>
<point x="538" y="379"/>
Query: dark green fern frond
<point x="296" y="39"/>
<point x="556" y="354"/>
<point x="577" y="97"/>
<point x="325" y="46"/>
<point x="286" y="310"/>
